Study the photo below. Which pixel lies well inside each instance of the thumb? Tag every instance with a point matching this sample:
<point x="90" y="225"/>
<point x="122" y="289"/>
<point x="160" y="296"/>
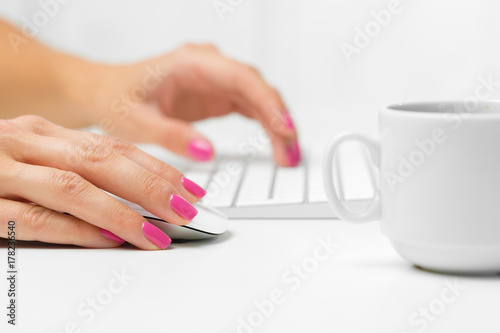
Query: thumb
<point x="181" y="138"/>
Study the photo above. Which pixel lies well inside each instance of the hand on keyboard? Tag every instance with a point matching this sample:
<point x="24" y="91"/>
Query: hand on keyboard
<point x="257" y="188"/>
<point x="191" y="83"/>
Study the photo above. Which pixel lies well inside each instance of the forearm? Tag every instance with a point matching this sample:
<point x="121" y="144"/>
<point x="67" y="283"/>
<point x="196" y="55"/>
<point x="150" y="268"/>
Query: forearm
<point x="37" y="80"/>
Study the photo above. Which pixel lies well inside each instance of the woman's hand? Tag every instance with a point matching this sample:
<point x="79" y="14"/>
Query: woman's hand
<point x="154" y="101"/>
<point x="149" y="101"/>
<point x="62" y="170"/>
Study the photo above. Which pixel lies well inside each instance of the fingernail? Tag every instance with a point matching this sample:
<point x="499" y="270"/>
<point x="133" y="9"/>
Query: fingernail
<point x="109" y="235"/>
<point x="182" y="207"/>
<point x="194" y="188"/>
<point x="155" y="235"/>
<point x="288" y="121"/>
<point x="200" y="149"/>
<point x="293" y="152"/>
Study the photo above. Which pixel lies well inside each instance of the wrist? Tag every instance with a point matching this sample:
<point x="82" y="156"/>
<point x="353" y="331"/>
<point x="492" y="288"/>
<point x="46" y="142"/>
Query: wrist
<point x="83" y="87"/>
<point x="95" y="92"/>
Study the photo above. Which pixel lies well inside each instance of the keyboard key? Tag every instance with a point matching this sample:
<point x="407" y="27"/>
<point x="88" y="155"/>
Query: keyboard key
<point x="315" y="184"/>
<point x="225" y="183"/>
<point x="314" y="165"/>
<point x="289" y="185"/>
<point x="257" y="183"/>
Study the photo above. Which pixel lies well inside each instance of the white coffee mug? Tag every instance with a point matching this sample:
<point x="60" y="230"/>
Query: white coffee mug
<point x="438" y="197"/>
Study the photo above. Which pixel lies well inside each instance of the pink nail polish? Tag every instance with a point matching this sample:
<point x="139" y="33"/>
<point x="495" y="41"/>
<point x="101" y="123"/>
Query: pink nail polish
<point x="200" y="150"/>
<point x="109" y="235"/>
<point x="155" y="235"/>
<point x="194" y="188"/>
<point x="288" y="121"/>
<point x="182" y="207"/>
<point x="293" y="152"/>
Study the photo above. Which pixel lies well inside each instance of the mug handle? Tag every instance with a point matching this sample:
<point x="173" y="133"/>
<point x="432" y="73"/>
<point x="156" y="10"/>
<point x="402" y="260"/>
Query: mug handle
<point x="372" y="212"/>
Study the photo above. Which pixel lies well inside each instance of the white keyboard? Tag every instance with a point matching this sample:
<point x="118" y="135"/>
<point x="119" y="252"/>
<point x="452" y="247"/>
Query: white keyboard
<point x="257" y="188"/>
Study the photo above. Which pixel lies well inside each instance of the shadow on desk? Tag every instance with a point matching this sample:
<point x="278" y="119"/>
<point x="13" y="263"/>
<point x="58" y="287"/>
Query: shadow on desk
<point x="393" y="265"/>
<point x="125" y="247"/>
<point x="489" y="276"/>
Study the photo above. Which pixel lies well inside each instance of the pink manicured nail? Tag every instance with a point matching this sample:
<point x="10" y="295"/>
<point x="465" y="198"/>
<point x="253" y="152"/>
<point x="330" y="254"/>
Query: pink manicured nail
<point x="288" y="121"/>
<point x="155" y="235"/>
<point x="109" y="235"/>
<point x="182" y="207"/>
<point x="200" y="150"/>
<point x="194" y="188"/>
<point x="293" y="152"/>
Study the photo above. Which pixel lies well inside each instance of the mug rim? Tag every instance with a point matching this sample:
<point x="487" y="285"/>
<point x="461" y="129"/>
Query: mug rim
<point x="418" y="108"/>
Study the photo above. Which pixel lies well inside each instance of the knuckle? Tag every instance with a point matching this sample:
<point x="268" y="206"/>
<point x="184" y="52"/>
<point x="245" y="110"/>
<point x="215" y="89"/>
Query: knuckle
<point x="36" y="124"/>
<point x="118" y="145"/>
<point x="94" y="153"/>
<point x="39" y="219"/>
<point x="193" y="47"/>
<point x="270" y="98"/>
<point x="242" y="76"/>
<point x="152" y="185"/>
<point x="70" y="184"/>
<point x="33" y="119"/>
<point x="6" y="127"/>
<point x="166" y="171"/>
<point x="188" y="47"/>
<point x="123" y="214"/>
<point x="251" y="69"/>
<point x="9" y="137"/>
<point x="9" y="170"/>
<point x="274" y="92"/>
<point x="209" y="47"/>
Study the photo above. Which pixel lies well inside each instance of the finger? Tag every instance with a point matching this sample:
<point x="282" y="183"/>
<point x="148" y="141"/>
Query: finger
<point x="257" y="99"/>
<point x="264" y="103"/>
<point x="112" y="172"/>
<point x="36" y="223"/>
<point x="179" y="137"/>
<point x="186" y="188"/>
<point x="248" y="85"/>
<point x="65" y="191"/>
<point x="286" y="151"/>
<point x="239" y="81"/>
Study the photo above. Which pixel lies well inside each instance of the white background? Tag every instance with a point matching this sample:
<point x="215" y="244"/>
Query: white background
<point x="430" y="50"/>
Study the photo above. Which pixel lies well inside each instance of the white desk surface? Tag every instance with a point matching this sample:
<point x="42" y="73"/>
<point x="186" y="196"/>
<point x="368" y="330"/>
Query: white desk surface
<point x="363" y="286"/>
<point x="205" y="286"/>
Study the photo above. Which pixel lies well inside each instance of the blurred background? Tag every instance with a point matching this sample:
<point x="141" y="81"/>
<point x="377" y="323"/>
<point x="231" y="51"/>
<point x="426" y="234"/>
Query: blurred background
<point x="427" y="50"/>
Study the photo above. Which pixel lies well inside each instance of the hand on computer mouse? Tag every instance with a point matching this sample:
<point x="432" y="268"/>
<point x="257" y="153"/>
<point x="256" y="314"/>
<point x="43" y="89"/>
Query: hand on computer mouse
<point x="63" y="170"/>
<point x="154" y="101"/>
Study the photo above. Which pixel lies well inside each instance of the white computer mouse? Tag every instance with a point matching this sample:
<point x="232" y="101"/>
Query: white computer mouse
<point x="208" y="223"/>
